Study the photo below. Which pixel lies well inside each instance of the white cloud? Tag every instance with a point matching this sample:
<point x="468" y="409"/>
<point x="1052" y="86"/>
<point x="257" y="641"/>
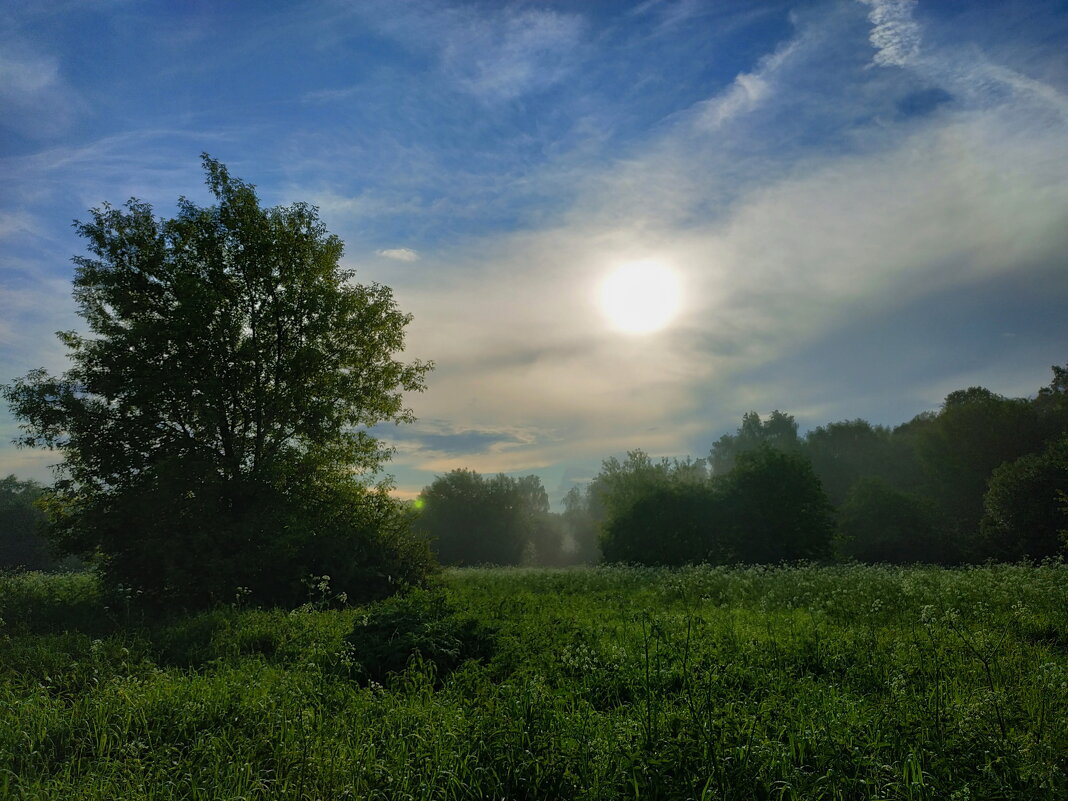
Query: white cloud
<point x="399" y="254"/>
<point x="748" y="90"/>
<point x="895" y="35"/>
<point x="965" y="196"/>
<point x="496" y="53"/>
<point x="18" y="222"/>
<point x="35" y="101"/>
<point x="517" y="51"/>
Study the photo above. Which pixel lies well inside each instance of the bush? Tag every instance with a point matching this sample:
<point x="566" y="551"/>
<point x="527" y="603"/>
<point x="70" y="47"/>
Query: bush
<point x="420" y="624"/>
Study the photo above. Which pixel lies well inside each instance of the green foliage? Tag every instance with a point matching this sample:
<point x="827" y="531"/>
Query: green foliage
<point x="779" y="431"/>
<point x="671" y="525"/>
<point x="879" y="524"/>
<point x="581" y="529"/>
<point x="35" y="602"/>
<point x="768" y="508"/>
<point x="600" y="515"/>
<point x="975" y="432"/>
<point x="470" y="519"/>
<point x="846" y="452"/>
<point x="420" y="625"/>
<point x="846" y="682"/>
<point x="776" y="508"/>
<point x="1025" y="509"/>
<point x="216" y="415"/>
<point x="23" y="541"/>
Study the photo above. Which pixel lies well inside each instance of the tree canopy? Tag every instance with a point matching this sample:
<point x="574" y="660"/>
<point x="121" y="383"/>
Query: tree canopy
<point x="471" y="519"/>
<point x="214" y="418"/>
<point x="23" y="544"/>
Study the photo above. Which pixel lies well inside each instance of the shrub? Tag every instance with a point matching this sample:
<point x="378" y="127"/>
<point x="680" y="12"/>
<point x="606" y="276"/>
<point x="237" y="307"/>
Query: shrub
<point x="420" y="624"/>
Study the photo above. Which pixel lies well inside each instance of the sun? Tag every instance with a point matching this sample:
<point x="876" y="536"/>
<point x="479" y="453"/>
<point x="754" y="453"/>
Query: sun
<point x="640" y="297"/>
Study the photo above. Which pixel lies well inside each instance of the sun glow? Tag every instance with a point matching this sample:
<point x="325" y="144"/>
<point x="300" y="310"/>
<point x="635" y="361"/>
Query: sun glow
<point x="640" y="297"/>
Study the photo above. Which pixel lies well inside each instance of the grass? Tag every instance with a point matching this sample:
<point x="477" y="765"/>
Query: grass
<point x="704" y="683"/>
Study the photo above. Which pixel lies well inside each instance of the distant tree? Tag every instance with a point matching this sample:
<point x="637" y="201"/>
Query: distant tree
<point x="544" y="530"/>
<point x="1025" y="514"/>
<point x="843" y="453"/>
<point x="670" y="525"/>
<point x="214" y="421"/>
<point x="880" y="524"/>
<point x="975" y="432"/>
<point x="775" y="508"/>
<point x="779" y="431"/>
<point x="22" y="523"/>
<point x="469" y="519"/>
<point x="1052" y="399"/>
<point x="581" y="530"/>
<point x="622" y="483"/>
<point x="768" y="508"/>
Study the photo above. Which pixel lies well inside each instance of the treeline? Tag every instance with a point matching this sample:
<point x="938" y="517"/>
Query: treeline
<point x="986" y="477"/>
<point x="23" y="529"/>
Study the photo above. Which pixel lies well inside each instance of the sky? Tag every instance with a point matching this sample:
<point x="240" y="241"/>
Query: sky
<point x="862" y="204"/>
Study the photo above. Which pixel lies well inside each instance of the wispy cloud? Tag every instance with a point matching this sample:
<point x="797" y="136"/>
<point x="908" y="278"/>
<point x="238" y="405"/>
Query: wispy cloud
<point x="18" y="222"/>
<point x="811" y="245"/>
<point x="748" y="90"/>
<point x="516" y="51"/>
<point x="35" y="100"/>
<point x="895" y="35"/>
<point x="497" y="53"/>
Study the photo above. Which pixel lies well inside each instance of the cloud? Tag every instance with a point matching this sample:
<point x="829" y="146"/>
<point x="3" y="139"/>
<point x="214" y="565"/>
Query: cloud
<point x="512" y="53"/>
<point x="27" y="76"/>
<point x="808" y="242"/>
<point x="36" y="102"/>
<point x="895" y="35"/>
<point x="748" y="90"/>
<point x="399" y="254"/>
<point x="14" y="223"/>
<point x="497" y="53"/>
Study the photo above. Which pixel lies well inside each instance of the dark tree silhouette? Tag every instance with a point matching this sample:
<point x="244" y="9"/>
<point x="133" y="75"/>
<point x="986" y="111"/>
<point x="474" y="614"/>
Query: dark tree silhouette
<point x="670" y="525"/>
<point x="470" y="519"/>
<point x="1026" y="506"/>
<point x="880" y="524"/>
<point x="775" y="508"/>
<point x="214" y="420"/>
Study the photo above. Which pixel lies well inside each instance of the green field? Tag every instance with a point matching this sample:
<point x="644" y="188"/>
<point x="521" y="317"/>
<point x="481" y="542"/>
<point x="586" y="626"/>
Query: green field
<point x="805" y="682"/>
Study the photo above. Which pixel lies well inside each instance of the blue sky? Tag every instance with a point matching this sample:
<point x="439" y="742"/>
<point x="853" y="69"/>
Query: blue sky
<point x="865" y="202"/>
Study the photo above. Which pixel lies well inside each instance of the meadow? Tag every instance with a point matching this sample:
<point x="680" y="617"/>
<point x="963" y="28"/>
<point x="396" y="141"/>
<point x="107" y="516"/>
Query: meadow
<point x="803" y="682"/>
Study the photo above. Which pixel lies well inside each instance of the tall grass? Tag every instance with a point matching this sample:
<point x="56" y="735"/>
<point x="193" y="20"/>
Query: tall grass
<point x="705" y="683"/>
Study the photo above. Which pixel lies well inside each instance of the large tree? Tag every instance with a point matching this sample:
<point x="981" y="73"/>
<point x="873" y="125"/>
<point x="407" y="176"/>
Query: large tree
<point x="775" y="508"/>
<point x="470" y="519"/>
<point x="214" y="422"/>
<point x="975" y="432"/>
